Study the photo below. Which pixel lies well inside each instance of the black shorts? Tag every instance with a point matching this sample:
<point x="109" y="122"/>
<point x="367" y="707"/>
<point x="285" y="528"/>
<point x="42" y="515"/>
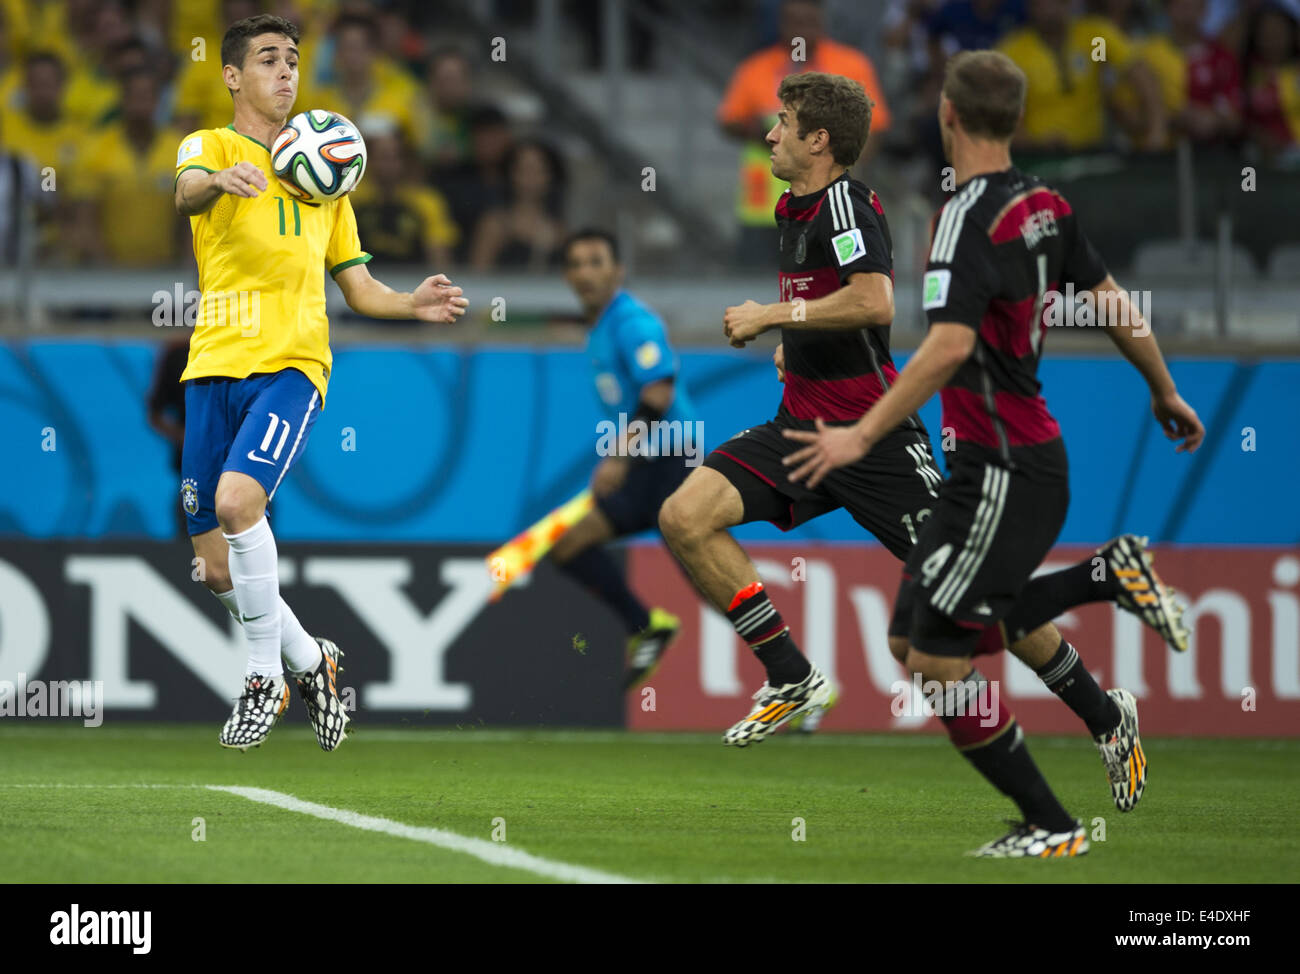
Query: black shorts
<point x="889" y="492"/>
<point x="990" y="530"/>
<point x="634" y="507"/>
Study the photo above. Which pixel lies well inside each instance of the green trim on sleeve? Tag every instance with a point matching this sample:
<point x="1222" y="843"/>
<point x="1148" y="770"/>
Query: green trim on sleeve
<point x="187" y="169"/>
<point x="364" y="258"/>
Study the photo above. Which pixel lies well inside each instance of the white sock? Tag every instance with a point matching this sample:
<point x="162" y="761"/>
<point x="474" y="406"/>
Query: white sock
<point x="229" y="601"/>
<point x="257" y="591"/>
<point x="299" y="650"/>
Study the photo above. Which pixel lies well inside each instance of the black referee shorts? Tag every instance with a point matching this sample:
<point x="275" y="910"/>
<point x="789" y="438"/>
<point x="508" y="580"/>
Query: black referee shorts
<point x="634" y="507"/>
<point x="990" y="530"/>
<point x="889" y="492"/>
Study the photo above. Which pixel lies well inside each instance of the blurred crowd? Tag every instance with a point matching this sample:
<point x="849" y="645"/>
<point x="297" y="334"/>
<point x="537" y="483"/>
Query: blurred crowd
<point x="1134" y="75"/>
<point x="96" y="96"/>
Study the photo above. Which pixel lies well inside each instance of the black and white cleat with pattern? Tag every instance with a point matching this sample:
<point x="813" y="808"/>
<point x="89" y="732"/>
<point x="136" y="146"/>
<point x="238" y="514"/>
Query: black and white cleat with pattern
<point x="1140" y="591"/>
<point x="320" y="695"/>
<point x="777" y="706"/>
<point x="263" y="702"/>
<point x="1122" y="754"/>
<point x="1029" y="842"/>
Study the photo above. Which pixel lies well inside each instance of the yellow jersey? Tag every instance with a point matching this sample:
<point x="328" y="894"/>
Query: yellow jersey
<point x="1066" y="95"/>
<point x="45" y="144"/>
<point x="134" y="193"/>
<point x="261" y="269"/>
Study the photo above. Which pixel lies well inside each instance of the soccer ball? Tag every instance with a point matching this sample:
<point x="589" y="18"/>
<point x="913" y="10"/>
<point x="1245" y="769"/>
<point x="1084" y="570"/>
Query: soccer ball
<point x="318" y="156"/>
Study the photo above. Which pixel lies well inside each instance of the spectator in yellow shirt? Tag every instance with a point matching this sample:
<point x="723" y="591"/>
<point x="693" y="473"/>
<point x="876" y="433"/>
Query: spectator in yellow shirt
<point x="446" y="144"/>
<point x="1072" y="65"/>
<point x="401" y="221"/>
<point x="201" y="101"/>
<point x="122" y="185"/>
<point x="38" y="128"/>
<point x="362" y="88"/>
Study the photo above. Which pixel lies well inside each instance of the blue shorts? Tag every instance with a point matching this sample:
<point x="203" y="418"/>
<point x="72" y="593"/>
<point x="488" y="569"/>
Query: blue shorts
<point x="257" y="426"/>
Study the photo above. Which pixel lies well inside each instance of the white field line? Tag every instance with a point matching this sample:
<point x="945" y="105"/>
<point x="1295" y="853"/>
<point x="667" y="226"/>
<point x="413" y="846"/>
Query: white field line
<point x="492" y="853"/>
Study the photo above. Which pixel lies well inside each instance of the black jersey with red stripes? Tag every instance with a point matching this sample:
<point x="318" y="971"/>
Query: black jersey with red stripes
<point x="1002" y="248"/>
<point x="827" y="237"/>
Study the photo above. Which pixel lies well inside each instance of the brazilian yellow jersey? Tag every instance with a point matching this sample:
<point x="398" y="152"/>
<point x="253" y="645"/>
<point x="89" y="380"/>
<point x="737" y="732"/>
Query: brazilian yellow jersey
<point x="261" y="269"/>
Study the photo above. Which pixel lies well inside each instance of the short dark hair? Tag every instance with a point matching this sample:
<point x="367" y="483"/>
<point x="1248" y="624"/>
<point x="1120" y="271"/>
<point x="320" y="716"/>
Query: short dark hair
<point x="45" y="57"/>
<point x="832" y="102"/>
<point x="360" y="22"/>
<point x="987" y="91"/>
<point x="590" y="233"/>
<point x="234" y="46"/>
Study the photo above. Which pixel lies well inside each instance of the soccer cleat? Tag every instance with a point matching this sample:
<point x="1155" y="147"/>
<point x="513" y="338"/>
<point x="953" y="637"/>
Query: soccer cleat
<point x="778" y="706"/>
<point x="1027" y="841"/>
<point x="1140" y="591"/>
<point x="646" y="648"/>
<point x="810" y="721"/>
<point x="1121" y="753"/>
<point x="262" y="703"/>
<point x="320" y="695"/>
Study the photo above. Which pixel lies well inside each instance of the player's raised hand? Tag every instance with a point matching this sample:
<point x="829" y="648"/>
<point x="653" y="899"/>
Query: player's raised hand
<point x="743" y="323"/>
<point x="1179" y="421"/>
<point x="241" y="179"/>
<point x="828" y="447"/>
<point x="438" y="300"/>
<point x="778" y="359"/>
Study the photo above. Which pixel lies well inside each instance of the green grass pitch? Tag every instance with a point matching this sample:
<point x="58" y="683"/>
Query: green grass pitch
<point x="656" y="807"/>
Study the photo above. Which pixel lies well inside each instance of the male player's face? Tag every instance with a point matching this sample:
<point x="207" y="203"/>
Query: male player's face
<point x="592" y="272"/>
<point x="790" y="154"/>
<point x="268" y="81"/>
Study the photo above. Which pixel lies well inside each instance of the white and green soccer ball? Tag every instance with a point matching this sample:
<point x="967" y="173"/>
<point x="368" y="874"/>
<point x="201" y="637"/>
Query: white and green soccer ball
<point x="319" y="156"/>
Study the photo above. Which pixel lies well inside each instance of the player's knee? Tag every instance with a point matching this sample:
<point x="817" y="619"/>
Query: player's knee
<point x="239" y="504"/>
<point x="679" y="520"/>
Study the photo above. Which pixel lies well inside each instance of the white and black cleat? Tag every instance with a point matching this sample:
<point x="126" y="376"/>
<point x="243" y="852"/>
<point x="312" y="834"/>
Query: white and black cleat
<point x="320" y="695"/>
<point x="777" y="706"/>
<point x="1140" y="591"/>
<point x="259" y="707"/>
<point x="1122" y="754"/>
<point x="1030" y="842"/>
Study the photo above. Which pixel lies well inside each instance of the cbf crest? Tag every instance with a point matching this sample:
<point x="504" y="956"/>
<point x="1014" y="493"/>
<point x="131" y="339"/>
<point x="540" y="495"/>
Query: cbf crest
<point x="190" y="495"/>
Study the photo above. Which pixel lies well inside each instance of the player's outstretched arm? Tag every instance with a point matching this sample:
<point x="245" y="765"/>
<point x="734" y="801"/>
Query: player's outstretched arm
<point x="1133" y="337"/>
<point x="945" y="348"/>
<point x="867" y="299"/>
<point x="436" y="299"/>
<point x="197" y="191"/>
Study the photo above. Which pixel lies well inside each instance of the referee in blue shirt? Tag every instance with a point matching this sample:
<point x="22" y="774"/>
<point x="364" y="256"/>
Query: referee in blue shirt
<point x="635" y="380"/>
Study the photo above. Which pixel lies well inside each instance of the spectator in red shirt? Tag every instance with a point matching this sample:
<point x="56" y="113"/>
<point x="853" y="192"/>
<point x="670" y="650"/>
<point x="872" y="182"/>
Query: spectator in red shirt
<point x="1215" y="97"/>
<point x="1272" y="80"/>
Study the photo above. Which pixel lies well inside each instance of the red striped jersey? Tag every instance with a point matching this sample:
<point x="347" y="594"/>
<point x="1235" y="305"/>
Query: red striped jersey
<point x="1002" y="248"/>
<point x="826" y="237"/>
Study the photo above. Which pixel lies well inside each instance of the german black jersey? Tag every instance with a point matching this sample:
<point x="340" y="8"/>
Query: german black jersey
<point x="1002" y="249"/>
<point x="826" y="237"/>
